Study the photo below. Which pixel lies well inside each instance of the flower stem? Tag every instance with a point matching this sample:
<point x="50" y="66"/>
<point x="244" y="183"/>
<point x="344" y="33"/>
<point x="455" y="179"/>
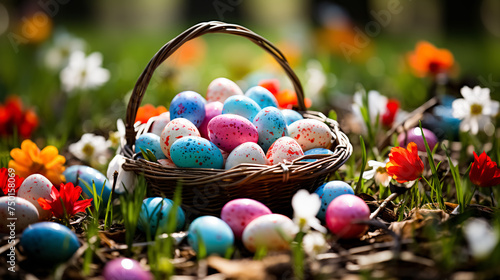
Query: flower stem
<point x="492" y="196"/>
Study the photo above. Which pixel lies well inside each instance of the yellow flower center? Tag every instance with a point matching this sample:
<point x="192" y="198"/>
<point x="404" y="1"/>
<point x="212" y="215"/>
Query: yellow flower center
<point x="88" y="150"/>
<point x="476" y="109"/>
<point x="381" y="170"/>
<point x="37" y="167"/>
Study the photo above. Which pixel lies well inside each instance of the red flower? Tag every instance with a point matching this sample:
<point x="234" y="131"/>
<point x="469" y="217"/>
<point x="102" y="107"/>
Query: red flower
<point x="404" y="164"/>
<point x="273" y="85"/>
<point x="388" y="117"/>
<point x="484" y="172"/>
<point x="5" y="180"/>
<point x="148" y="111"/>
<point x="14" y="118"/>
<point x="68" y="195"/>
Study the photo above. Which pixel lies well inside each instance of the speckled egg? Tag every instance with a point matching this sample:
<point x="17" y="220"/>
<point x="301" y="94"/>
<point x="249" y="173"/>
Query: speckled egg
<point x="328" y="192"/>
<point x="248" y="152"/>
<point x="284" y="148"/>
<point x="160" y="123"/>
<point x="49" y="242"/>
<point x="89" y="174"/>
<point x="228" y="131"/>
<point x="175" y="130"/>
<point x="291" y="116"/>
<point x="154" y="215"/>
<point x="221" y="88"/>
<point x="212" y="109"/>
<point x="33" y="188"/>
<point x="149" y="141"/>
<point x="415" y="135"/>
<point x="125" y="269"/>
<point x="167" y="163"/>
<point x="225" y="155"/>
<point x="189" y="105"/>
<point x="271" y="125"/>
<point x="262" y="96"/>
<point x="241" y="105"/>
<point x="317" y="151"/>
<point x="341" y="214"/>
<point x="214" y="233"/>
<point x="311" y="134"/>
<point x="196" y="152"/>
<point x="269" y="231"/>
<point x="16" y="214"/>
<point x="238" y="213"/>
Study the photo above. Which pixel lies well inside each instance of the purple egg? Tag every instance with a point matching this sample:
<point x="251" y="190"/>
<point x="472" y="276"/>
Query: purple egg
<point x="415" y="135"/>
<point x="228" y="131"/>
<point x="212" y="109"/>
<point x="189" y="105"/>
<point x="125" y="269"/>
<point x="238" y="213"/>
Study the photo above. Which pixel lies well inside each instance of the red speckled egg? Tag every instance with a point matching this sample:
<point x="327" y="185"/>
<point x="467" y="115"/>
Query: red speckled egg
<point x="228" y="131"/>
<point x="175" y="130"/>
<point x="285" y="148"/>
<point x="310" y="134"/>
<point x="238" y="213"/>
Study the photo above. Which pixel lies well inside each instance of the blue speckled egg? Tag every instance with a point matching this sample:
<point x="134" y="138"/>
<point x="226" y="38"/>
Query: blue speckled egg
<point x="291" y="116"/>
<point x="196" y="152"/>
<point x="271" y="125"/>
<point x="49" y="242"/>
<point x="155" y="212"/>
<point x="262" y="96"/>
<point x="316" y="151"/>
<point x="328" y="192"/>
<point x="189" y="105"/>
<point x="149" y="141"/>
<point x="216" y="235"/>
<point x="88" y="174"/>
<point x="241" y="105"/>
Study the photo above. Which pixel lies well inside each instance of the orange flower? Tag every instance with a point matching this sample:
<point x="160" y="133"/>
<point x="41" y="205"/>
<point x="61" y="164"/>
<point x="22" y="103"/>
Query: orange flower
<point x="36" y="28"/>
<point x="484" y="172"/>
<point x="427" y="59"/>
<point x="287" y="99"/>
<point x="272" y="85"/>
<point x="148" y="111"/>
<point x="404" y="164"/>
<point x="30" y="160"/>
<point x="65" y="200"/>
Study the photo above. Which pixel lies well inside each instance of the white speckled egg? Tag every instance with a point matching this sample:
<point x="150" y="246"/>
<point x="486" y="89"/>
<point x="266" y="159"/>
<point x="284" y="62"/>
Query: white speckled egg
<point x="285" y="148"/>
<point x="22" y="213"/>
<point x="311" y="134"/>
<point x="271" y="125"/>
<point x="262" y="96"/>
<point x="149" y="141"/>
<point x="228" y="131"/>
<point x="175" y="130"/>
<point x="241" y="105"/>
<point x="34" y="187"/>
<point x="221" y="88"/>
<point x="248" y="152"/>
<point x="196" y="152"/>
<point x="268" y="231"/>
<point x="167" y="163"/>
<point x="160" y="123"/>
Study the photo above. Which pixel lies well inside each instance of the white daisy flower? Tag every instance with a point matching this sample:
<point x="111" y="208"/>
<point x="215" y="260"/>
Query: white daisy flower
<point x="475" y="109"/>
<point x="314" y="243"/>
<point x="305" y="207"/>
<point x="57" y="57"/>
<point x="91" y="148"/>
<point x="482" y="238"/>
<point x="378" y="172"/>
<point x="83" y="72"/>
<point x="125" y="180"/>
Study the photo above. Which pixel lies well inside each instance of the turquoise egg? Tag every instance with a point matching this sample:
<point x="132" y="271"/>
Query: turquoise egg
<point x="271" y="125"/>
<point x="316" y="151"/>
<point x="189" y="105"/>
<point x="154" y="214"/>
<point x="241" y="105"/>
<point x="196" y="152"/>
<point x="328" y="192"/>
<point x="89" y="174"/>
<point x="150" y="141"/>
<point x="49" y="242"/>
<point x="262" y="96"/>
<point x="213" y="232"/>
<point x="291" y="116"/>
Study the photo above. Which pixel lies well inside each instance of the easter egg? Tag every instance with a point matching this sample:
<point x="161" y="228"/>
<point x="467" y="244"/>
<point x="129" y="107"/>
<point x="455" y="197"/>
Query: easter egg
<point x="175" y="130"/>
<point x="242" y="106"/>
<point x="291" y="116"/>
<point x="149" y="141"/>
<point x="328" y="192"/>
<point x="167" y="163"/>
<point x="154" y="215"/>
<point x="34" y="187"/>
<point x="271" y="125"/>
<point x="196" y="152"/>
<point x="262" y="96"/>
<point x="238" y="213"/>
<point x="317" y="151"/>
<point x="415" y="135"/>
<point x="212" y="109"/>
<point x="310" y="134"/>
<point x="228" y="131"/>
<point x="269" y="231"/>
<point x="341" y="214"/>
<point x="248" y="152"/>
<point x="49" y="242"/>
<point x="16" y="214"/>
<point x="283" y="149"/>
<point x="221" y="88"/>
<point x="213" y="233"/>
<point x="89" y="174"/>
<point x="160" y="123"/>
<point x="189" y="105"/>
<point x="125" y="269"/>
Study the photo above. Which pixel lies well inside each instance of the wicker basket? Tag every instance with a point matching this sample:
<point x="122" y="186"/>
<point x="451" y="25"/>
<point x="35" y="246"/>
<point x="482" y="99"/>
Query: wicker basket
<point x="205" y="191"/>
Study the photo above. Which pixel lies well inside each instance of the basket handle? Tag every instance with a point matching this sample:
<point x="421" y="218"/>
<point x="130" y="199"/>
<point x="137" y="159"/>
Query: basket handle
<point x="195" y="31"/>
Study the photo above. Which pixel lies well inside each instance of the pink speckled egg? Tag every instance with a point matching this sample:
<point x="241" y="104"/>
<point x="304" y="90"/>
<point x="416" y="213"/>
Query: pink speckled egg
<point x="238" y="213"/>
<point x="18" y="211"/>
<point x="341" y="214"/>
<point x="212" y="109"/>
<point x="285" y="148"/>
<point x="228" y="131"/>
<point x="415" y="135"/>
<point x="125" y="269"/>
<point x="310" y="134"/>
<point x="167" y="163"/>
<point x="175" y="130"/>
<point x="221" y="88"/>
<point x="270" y="231"/>
<point x="160" y="123"/>
<point x="248" y="152"/>
<point x="33" y="188"/>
